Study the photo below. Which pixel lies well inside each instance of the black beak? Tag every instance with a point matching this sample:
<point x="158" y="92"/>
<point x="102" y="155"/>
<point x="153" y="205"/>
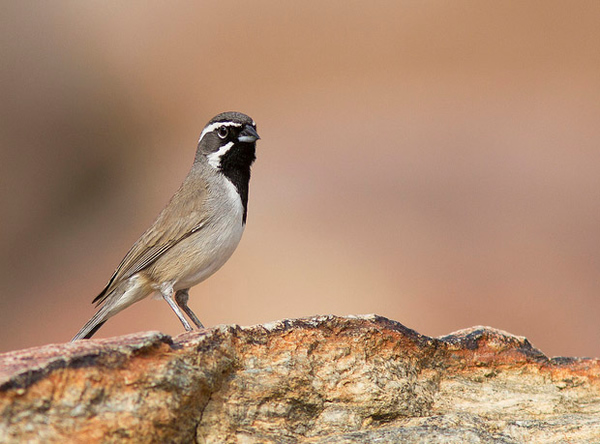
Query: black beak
<point x="248" y="135"/>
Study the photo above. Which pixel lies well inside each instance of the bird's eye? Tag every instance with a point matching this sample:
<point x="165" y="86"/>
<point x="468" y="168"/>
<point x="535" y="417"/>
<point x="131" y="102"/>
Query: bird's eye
<point x="223" y="132"/>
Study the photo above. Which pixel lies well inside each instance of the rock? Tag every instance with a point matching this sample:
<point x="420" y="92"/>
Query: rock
<point x="320" y="380"/>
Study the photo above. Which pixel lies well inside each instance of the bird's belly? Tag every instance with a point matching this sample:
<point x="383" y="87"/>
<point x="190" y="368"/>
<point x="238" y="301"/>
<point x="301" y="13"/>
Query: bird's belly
<point x="203" y="254"/>
<point x="197" y="257"/>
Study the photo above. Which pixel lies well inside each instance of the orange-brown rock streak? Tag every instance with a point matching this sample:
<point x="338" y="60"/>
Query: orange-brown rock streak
<point x="324" y="379"/>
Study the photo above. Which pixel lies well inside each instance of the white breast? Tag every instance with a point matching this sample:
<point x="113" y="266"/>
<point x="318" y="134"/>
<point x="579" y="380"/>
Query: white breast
<point x="214" y="244"/>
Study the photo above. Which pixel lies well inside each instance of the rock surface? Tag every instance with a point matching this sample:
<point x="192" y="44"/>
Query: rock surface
<point x="320" y="380"/>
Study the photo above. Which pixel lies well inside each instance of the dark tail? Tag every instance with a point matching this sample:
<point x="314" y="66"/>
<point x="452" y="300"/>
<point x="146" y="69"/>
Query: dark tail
<point x="93" y="325"/>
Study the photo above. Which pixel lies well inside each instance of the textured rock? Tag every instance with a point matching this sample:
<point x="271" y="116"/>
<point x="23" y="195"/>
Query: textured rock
<point x="319" y="380"/>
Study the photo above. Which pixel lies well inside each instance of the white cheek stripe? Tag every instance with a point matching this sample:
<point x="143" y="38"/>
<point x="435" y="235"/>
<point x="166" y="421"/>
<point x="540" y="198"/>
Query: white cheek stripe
<point x="214" y="126"/>
<point x="214" y="159"/>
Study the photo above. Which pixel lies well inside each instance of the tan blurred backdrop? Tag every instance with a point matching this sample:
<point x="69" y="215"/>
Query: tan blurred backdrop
<point x="434" y="162"/>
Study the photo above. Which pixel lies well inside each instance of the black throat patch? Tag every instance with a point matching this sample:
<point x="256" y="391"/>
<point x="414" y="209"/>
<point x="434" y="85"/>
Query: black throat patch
<point x="235" y="165"/>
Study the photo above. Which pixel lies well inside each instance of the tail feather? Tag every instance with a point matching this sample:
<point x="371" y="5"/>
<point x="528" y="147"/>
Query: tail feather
<point x="133" y="290"/>
<point x="94" y="330"/>
<point x="93" y="325"/>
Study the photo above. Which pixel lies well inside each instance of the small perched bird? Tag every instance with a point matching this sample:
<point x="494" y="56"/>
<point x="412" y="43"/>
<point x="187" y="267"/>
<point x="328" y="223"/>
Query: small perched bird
<point x="195" y="233"/>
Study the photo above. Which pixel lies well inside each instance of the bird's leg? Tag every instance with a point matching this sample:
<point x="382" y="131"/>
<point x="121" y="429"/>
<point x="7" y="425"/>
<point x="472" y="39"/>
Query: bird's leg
<point x="182" y="297"/>
<point x="167" y="294"/>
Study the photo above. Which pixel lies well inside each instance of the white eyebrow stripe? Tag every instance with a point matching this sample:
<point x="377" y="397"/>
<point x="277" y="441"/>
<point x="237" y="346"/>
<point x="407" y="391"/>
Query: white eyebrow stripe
<point x="214" y="159"/>
<point x="216" y="125"/>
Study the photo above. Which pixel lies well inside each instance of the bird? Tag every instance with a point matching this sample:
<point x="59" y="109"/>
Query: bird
<point x="196" y="232"/>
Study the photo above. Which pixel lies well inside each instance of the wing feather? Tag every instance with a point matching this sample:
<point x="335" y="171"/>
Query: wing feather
<point x="181" y="218"/>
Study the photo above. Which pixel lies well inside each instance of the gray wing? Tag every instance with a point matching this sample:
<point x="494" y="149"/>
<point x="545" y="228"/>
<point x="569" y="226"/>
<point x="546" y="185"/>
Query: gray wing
<point x="182" y="217"/>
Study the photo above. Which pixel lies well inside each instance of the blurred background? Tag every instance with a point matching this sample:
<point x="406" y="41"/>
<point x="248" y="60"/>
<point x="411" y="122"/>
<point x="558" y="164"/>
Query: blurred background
<point x="437" y="163"/>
